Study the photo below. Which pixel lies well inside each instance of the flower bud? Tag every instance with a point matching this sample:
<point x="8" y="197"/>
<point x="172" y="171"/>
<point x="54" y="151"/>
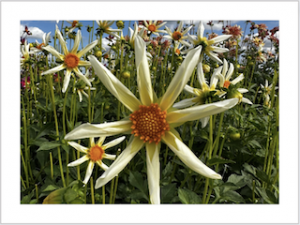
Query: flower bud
<point x="120" y="24"/>
<point x="113" y="48"/>
<point x="206" y="68"/>
<point x="153" y="68"/>
<point x="98" y="54"/>
<point x="125" y="74"/>
<point x="238" y="66"/>
<point x="149" y="47"/>
<point x="249" y="57"/>
<point x="66" y="29"/>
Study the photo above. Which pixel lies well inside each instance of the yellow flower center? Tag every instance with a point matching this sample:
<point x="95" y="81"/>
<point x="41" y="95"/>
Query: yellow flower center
<point x="74" y="23"/>
<point x="152" y="27"/>
<point x="149" y="123"/>
<point x="71" y="60"/>
<point x="40" y="46"/>
<point x="96" y="153"/>
<point x="176" y="35"/>
<point x="206" y="44"/>
<point x="226" y="83"/>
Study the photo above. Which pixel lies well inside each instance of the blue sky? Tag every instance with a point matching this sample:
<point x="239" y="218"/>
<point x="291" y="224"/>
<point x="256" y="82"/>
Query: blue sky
<point x="40" y="27"/>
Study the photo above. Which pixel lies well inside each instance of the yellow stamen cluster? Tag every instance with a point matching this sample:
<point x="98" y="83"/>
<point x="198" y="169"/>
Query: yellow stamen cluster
<point x="71" y="60"/>
<point x="152" y="28"/>
<point x="95" y="153"/>
<point x="149" y="123"/>
<point x="176" y="35"/>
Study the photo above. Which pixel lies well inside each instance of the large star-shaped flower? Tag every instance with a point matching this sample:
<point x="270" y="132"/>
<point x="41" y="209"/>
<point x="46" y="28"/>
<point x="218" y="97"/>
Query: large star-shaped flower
<point x="152" y="120"/>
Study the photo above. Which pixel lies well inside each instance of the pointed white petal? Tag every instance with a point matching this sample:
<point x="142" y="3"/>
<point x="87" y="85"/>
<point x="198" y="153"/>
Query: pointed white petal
<point x="198" y="112"/>
<point x="180" y="79"/>
<point x="89" y="171"/>
<point x="66" y="80"/>
<point x="54" y="70"/>
<point x="113" y="143"/>
<point x="153" y="174"/>
<point x="220" y="38"/>
<point x="102" y="165"/>
<point x="87" y="48"/>
<point x="78" y="147"/>
<point x="101" y="140"/>
<point x="190" y="90"/>
<point x="200" y="75"/>
<point x="242" y="90"/>
<point x="214" y="57"/>
<point x="52" y="50"/>
<point x="200" y="30"/>
<point x="115" y="86"/>
<point x="225" y="67"/>
<point x="76" y="42"/>
<point x="185" y="103"/>
<point x="79" y="161"/>
<point x="246" y="100"/>
<point x="80" y="95"/>
<point x="230" y="72"/>
<point x="186" y="30"/>
<point x="204" y="121"/>
<point x="105" y="129"/>
<point x="185" y="43"/>
<point x="118" y="165"/>
<point x="143" y="73"/>
<point x="84" y="63"/>
<point x="82" y="77"/>
<point x="219" y="50"/>
<point x="188" y="157"/>
<point x="61" y="41"/>
<point x="109" y="156"/>
<point x="238" y="79"/>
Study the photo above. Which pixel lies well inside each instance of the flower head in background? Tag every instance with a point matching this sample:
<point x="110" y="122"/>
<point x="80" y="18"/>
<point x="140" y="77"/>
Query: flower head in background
<point x="25" y="53"/>
<point x="154" y="26"/>
<point x="81" y="86"/>
<point x="71" y="60"/>
<point x="152" y="120"/>
<point x="235" y="31"/>
<point x="46" y="39"/>
<point x="208" y="45"/>
<point x="74" y="24"/>
<point x="178" y="34"/>
<point x="104" y="27"/>
<point x="94" y="154"/>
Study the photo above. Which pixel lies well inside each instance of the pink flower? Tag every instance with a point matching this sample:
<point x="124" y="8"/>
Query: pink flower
<point x="23" y="84"/>
<point x="235" y="31"/>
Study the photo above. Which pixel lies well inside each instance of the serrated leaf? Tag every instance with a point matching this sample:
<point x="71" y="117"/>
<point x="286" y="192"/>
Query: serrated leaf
<point x="236" y="180"/>
<point x="233" y="196"/>
<point x="188" y="197"/>
<point x="136" y="180"/>
<point x="49" y="145"/>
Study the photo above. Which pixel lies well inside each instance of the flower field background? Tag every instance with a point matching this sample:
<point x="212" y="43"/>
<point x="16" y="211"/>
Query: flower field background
<point x="157" y="115"/>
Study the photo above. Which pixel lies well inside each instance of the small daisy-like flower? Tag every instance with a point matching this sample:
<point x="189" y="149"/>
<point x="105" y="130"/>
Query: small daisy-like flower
<point x="153" y="27"/>
<point x="94" y="154"/>
<point x="266" y="90"/>
<point x="178" y="49"/>
<point x="46" y="39"/>
<point x="229" y="85"/>
<point x="104" y="27"/>
<point x="25" y="53"/>
<point x="260" y="55"/>
<point x="74" y="24"/>
<point x="81" y="86"/>
<point x="258" y="41"/>
<point x="207" y="45"/>
<point x="71" y="60"/>
<point x="200" y="96"/>
<point x="177" y="35"/>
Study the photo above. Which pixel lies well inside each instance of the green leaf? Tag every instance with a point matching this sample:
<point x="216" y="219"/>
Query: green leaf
<point x="50" y="187"/>
<point x="136" y="180"/>
<point x="236" y="180"/>
<point x="45" y="130"/>
<point x="263" y="176"/>
<point x="168" y="192"/>
<point x="70" y="195"/>
<point x="33" y="201"/>
<point x="188" y="197"/>
<point x="49" y="145"/>
<point x="218" y="160"/>
<point x="233" y="196"/>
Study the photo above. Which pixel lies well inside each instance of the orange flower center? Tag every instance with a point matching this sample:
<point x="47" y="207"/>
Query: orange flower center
<point x="176" y="35"/>
<point x="71" y="60"/>
<point x="177" y="51"/>
<point x="74" y="23"/>
<point x="96" y="153"/>
<point x="149" y="123"/>
<point x="226" y="83"/>
<point x="40" y="46"/>
<point x="152" y="27"/>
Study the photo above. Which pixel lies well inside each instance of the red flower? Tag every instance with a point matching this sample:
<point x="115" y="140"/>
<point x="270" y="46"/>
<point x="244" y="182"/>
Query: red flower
<point x="23" y="84"/>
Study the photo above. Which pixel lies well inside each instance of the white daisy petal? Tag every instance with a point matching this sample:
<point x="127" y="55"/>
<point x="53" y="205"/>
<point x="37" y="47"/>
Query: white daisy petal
<point x="190" y="90"/>
<point x="105" y="129"/>
<point x="204" y="121"/>
<point x="153" y="173"/>
<point x="78" y="147"/>
<point x="102" y="165"/>
<point x="87" y="48"/>
<point x="76" y="42"/>
<point x="109" y="156"/>
<point x="113" y="143"/>
<point x="114" y="86"/>
<point x="61" y="41"/>
<point x="180" y="79"/>
<point x="238" y="79"/>
<point x="200" y="30"/>
<point x="118" y="165"/>
<point x="188" y="157"/>
<point x="220" y="38"/>
<point x="89" y="172"/>
<point x="246" y="100"/>
<point x="242" y="90"/>
<point x="66" y="80"/>
<point x="198" y="112"/>
<point x="53" y="51"/>
<point x="185" y="103"/>
<point x="79" y="161"/>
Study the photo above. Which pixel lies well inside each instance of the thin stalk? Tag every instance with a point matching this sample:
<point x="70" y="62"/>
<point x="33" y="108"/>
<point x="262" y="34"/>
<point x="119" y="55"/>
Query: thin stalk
<point x="51" y="165"/>
<point x="92" y="190"/>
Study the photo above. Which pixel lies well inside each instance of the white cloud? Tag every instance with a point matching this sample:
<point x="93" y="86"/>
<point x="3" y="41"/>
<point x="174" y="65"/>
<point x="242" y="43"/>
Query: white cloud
<point x="36" y="32"/>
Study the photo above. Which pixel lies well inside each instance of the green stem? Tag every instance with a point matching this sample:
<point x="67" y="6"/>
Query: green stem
<point x="92" y="190"/>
